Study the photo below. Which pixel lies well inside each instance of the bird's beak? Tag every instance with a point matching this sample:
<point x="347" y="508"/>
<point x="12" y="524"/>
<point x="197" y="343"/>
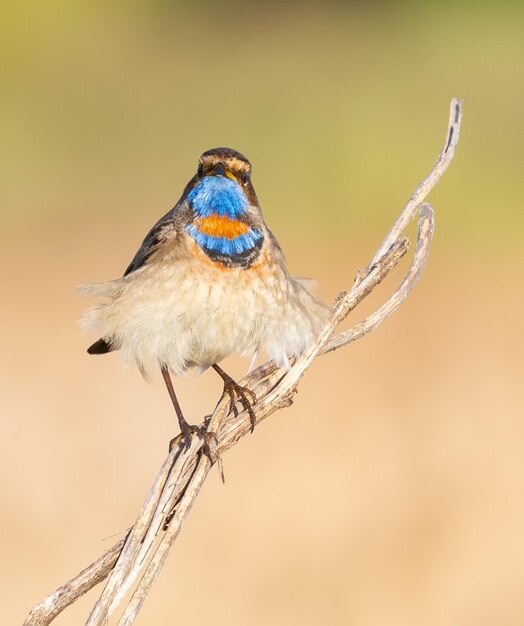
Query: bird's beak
<point x="220" y="170"/>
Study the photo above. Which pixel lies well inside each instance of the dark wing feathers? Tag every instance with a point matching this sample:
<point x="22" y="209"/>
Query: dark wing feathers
<point x="153" y="238"/>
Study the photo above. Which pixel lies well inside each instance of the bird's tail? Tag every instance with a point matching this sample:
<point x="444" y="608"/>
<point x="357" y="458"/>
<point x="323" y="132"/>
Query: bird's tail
<point x="102" y="346"/>
<point x="94" y="318"/>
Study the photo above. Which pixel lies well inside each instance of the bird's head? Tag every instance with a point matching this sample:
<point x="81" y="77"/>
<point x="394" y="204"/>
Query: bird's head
<point x="222" y="184"/>
<point x="225" y="162"/>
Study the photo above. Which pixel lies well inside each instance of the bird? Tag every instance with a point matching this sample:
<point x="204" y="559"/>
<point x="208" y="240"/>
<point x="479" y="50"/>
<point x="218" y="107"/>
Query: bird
<point x="210" y="279"/>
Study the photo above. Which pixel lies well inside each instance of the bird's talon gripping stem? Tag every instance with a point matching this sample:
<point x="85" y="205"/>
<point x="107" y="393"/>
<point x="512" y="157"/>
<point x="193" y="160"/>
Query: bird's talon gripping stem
<point x="237" y="392"/>
<point x="209" y="439"/>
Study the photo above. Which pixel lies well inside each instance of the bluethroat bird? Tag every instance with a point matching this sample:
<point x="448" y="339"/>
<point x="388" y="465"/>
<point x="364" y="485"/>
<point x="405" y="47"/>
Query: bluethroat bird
<point x="209" y="279"/>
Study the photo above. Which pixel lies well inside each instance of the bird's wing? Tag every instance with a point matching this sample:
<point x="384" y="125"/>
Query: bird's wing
<point x="160" y="231"/>
<point x="165" y="227"/>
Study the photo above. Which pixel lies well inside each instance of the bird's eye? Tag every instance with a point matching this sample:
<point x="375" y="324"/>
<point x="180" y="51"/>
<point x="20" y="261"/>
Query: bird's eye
<point x="245" y="178"/>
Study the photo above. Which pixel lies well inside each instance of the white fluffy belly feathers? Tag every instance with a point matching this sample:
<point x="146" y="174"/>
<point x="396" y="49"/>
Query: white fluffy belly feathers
<point x="182" y="316"/>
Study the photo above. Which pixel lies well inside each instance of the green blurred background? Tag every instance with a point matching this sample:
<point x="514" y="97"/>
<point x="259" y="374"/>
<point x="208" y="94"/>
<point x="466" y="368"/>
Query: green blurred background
<point x="392" y="491"/>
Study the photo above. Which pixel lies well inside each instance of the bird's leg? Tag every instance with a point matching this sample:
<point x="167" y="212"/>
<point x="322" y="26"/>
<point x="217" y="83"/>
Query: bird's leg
<point x="235" y="391"/>
<point x="185" y="428"/>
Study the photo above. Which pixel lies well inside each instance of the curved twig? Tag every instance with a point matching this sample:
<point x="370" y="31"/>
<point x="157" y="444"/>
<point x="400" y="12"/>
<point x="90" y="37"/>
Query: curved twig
<point x="422" y="191"/>
<point x="144" y="550"/>
<point x="425" y="236"/>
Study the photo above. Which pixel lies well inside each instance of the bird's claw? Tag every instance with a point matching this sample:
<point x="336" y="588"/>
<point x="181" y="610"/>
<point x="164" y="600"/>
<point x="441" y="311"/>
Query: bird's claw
<point x="237" y="392"/>
<point x="188" y="430"/>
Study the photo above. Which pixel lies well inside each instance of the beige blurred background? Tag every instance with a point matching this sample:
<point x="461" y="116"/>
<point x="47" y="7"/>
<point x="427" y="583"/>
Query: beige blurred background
<point x="392" y="492"/>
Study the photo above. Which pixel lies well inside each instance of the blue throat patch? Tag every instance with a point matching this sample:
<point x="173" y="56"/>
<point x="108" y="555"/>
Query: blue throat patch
<point x="222" y="197"/>
<point x="218" y="195"/>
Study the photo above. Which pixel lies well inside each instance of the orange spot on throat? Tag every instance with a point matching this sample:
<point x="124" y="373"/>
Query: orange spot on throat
<point x="221" y="226"/>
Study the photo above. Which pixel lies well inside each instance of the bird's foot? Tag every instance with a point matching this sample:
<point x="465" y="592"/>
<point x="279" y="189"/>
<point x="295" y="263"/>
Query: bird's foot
<point x="245" y="395"/>
<point x="187" y="430"/>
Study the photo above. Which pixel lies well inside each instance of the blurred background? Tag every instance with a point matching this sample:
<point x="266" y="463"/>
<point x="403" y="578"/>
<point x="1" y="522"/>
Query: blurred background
<point x="392" y="492"/>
